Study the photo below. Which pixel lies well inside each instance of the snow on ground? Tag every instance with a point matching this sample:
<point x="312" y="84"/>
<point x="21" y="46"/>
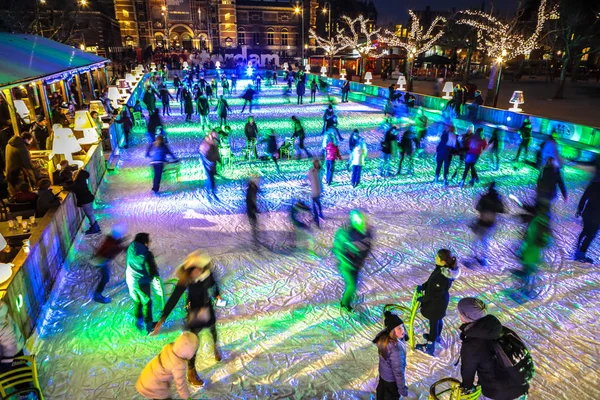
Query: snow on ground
<point x="282" y="331"/>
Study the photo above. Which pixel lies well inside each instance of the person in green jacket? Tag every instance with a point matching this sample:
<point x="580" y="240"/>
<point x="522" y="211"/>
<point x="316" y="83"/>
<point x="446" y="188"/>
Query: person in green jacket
<point x="351" y="246"/>
<point x="141" y="272"/>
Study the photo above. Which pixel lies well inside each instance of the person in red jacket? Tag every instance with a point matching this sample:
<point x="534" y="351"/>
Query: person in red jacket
<point x="110" y="247"/>
<point x="475" y="145"/>
<point x="332" y="153"/>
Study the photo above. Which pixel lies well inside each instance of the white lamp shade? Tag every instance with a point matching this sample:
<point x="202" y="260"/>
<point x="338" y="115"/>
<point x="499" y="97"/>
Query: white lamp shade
<point x="130" y="79"/>
<point x="401" y="80"/>
<point x="22" y="109"/>
<point x="5" y="272"/>
<point x="517" y="97"/>
<point x="83" y="120"/>
<point x="65" y="142"/>
<point x="448" y="87"/>
<point x="306" y="68"/>
<point x="90" y="136"/>
<point x="113" y="93"/>
<point x="285" y="65"/>
<point x="139" y="70"/>
<point x="323" y="69"/>
<point x="2" y="242"/>
<point x="343" y="71"/>
<point x="368" y="75"/>
<point x="217" y="64"/>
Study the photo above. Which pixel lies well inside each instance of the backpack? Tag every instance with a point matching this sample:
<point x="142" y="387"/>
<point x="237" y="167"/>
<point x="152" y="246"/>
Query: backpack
<point x="513" y="362"/>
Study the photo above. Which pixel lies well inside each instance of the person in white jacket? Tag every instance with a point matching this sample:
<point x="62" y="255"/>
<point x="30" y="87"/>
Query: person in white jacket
<point x="170" y="365"/>
<point x="359" y="155"/>
<point x="11" y="339"/>
<point x="316" y="187"/>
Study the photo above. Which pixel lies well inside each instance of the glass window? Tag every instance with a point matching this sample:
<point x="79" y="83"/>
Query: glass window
<point x="284" y="37"/>
<point x="270" y="38"/>
<point x="241" y="37"/>
<point x="256" y="38"/>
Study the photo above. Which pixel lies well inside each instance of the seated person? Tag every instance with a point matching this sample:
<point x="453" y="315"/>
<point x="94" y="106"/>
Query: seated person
<point x="15" y="178"/>
<point x="46" y="198"/>
<point x="64" y="174"/>
<point x="25" y="195"/>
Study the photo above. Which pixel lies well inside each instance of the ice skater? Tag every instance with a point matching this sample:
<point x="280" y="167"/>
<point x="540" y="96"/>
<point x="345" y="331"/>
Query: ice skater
<point x="525" y="133"/>
<point x="445" y="149"/>
<point x="407" y="150"/>
<point x="332" y="153"/>
<point x="302" y="232"/>
<point x="252" y="209"/>
<point x="359" y="156"/>
<point x="434" y="302"/>
<point x="589" y="211"/>
<point x="488" y="207"/>
<point x="330" y="122"/>
<point x="496" y="146"/>
<point x="272" y="149"/>
<point x="112" y="245"/>
<point x="248" y="97"/>
<point x="387" y="150"/>
<point x="299" y="133"/>
<point x="195" y="276"/>
<point x="391" y="346"/>
<point x="474" y="144"/>
<point x="313" y="90"/>
<point x="209" y="156"/>
<point x="222" y="109"/>
<point x="316" y="187"/>
<point x="351" y="246"/>
<point x="203" y="110"/>
<point x="159" y="152"/>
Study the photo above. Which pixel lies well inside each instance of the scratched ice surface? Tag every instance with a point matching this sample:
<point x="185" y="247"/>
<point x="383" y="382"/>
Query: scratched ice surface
<point x="282" y="332"/>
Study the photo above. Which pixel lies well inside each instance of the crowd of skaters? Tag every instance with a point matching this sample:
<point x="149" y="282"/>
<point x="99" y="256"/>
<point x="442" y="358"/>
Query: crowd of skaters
<point x="352" y="244"/>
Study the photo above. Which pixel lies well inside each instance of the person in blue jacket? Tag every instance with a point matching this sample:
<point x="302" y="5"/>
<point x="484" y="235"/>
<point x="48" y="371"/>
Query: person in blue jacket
<point x="391" y="346"/>
<point x="159" y="152"/>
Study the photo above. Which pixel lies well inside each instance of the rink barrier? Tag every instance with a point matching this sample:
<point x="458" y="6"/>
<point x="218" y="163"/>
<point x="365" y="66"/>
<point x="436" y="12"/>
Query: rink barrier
<point x="577" y="141"/>
<point x="51" y="242"/>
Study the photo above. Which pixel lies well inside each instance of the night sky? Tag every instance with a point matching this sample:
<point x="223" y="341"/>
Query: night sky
<point x="397" y="10"/>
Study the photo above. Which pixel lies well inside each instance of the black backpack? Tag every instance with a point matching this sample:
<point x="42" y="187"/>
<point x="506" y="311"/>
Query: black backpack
<point x="514" y="365"/>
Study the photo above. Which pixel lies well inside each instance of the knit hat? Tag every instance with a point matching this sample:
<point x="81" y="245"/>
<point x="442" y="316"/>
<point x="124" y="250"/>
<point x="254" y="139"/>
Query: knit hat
<point x="39" y="118"/>
<point x="391" y="321"/>
<point x="472" y="309"/>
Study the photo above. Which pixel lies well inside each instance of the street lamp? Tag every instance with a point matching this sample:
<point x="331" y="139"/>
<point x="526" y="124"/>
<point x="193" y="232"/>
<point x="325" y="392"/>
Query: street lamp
<point x="299" y="10"/>
<point x="499" y="60"/>
<point x="327" y="10"/>
<point x="167" y="30"/>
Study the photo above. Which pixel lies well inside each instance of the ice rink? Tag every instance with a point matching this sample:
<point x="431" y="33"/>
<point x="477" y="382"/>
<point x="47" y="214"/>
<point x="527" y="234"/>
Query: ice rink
<point x="282" y="333"/>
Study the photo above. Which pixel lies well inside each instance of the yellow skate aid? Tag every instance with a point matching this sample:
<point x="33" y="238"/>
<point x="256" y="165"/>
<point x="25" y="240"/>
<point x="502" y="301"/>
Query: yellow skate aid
<point x="454" y="392"/>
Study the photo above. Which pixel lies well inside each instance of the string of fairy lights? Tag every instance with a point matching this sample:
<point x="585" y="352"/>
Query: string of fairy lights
<point x="499" y="40"/>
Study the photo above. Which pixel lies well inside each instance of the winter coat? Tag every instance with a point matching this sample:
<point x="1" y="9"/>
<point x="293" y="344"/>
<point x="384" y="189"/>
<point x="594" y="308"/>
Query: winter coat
<point x="159" y="154"/>
<point x="149" y="100"/>
<point x="489" y="205"/>
<point x="434" y="302"/>
<point x="330" y="119"/>
<point x="203" y="107"/>
<point x="45" y="201"/>
<point x="300" y="88"/>
<point x="407" y="143"/>
<point x="392" y="369"/>
<point x="550" y="149"/>
<point x="332" y="152"/>
<point x="251" y="130"/>
<point x="353" y="141"/>
<point x="359" y="154"/>
<point x="209" y="152"/>
<point x="41" y="135"/>
<point x="346" y="87"/>
<point x="476" y="355"/>
<point x="272" y="144"/>
<point x="108" y="249"/>
<point x="249" y="94"/>
<point x="11" y="339"/>
<point x="153" y="123"/>
<point x="165" y="95"/>
<point x="475" y="145"/>
<point x="444" y="150"/>
<point x="298" y="130"/>
<point x="141" y="266"/>
<point x="188" y="106"/>
<point x="170" y="365"/>
<point x="198" y="297"/>
<point x="525" y="131"/>
<point x="251" y="194"/>
<point x="388" y="141"/>
<point x="314" y="178"/>
<point x="125" y="119"/>
<point x="79" y="187"/>
<point x="549" y="179"/>
<point x="497" y="140"/>
<point x="313" y="87"/>
<point x="352" y="247"/>
<point x="17" y="155"/>
<point x="589" y="205"/>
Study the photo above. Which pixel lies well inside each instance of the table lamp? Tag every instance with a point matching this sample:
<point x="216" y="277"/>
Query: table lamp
<point x="85" y="123"/>
<point x="152" y="67"/>
<point x="343" y="74"/>
<point x="307" y="68"/>
<point x="22" y="110"/>
<point x="401" y="82"/>
<point x="96" y="105"/>
<point x="323" y="71"/>
<point x="516" y="99"/>
<point x="368" y="77"/>
<point x="114" y="96"/>
<point x="65" y="143"/>
<point x="139" y="70"/>
<point x="130" y="79"/>
<point x="448" y="88"/>
<point x="217" y="64"/>
<point x="285" y="66"/>
<point x="123" y="87"/>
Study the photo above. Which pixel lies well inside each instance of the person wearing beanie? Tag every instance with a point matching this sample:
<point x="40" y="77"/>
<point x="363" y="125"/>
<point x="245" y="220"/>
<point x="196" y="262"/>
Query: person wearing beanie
<point x="391" y="346"/>
<point x="477" y="334"/>
<point x="195" y="275"/>
<point x="168" y="367"/>
<point x="112" y="245"/>
<point x="434" y="302"/>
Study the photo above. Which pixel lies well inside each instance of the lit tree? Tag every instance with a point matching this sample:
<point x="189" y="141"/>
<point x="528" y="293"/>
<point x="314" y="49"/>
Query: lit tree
<point x="358" y="37"/>
<point x="503" y="41"/>
<point x="332" y="46"/>
<point x="417" y="42"/>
